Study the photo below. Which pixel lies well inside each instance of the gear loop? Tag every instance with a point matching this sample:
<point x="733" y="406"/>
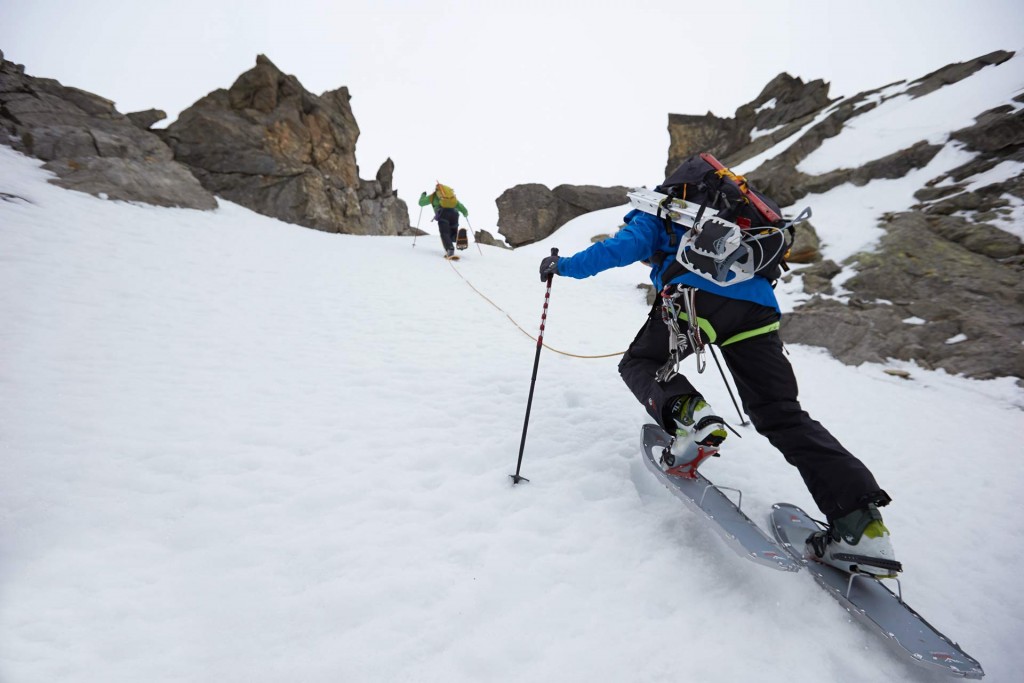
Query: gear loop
<point x="681" y="340"/>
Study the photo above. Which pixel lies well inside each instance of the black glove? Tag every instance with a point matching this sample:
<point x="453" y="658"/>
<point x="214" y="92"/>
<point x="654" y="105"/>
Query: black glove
<point x="548" y="267"/>
<point x="423" y="195"/>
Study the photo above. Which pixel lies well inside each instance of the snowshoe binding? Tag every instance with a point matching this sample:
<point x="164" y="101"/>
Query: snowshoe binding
<point x="699" y="433"/>
<point x="858" y="543"/>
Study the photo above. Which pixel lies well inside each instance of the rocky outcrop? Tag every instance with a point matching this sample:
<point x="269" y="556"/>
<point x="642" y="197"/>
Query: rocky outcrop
<point x="484" y="237"/>
<point x="943" y="287"/>
<point x="954" y="73"/>
<point x="965" y="309"/>
<point x="529" y="213"/>
<point x="806" y="245"/>
<point x="269" y="144"/>
<point x="90" y="145"/>
<point x="780" y="178"/>
<point x="146" y="119"/>
<point x="784" y="105"/>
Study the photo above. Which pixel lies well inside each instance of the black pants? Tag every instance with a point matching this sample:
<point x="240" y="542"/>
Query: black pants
<point x="448" y="222"/>
<point x="838" y="481"/>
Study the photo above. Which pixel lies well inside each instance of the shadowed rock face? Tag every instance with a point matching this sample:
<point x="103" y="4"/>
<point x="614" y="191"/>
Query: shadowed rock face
<point x="269" y="144"/>
<point x="90" y="145"/>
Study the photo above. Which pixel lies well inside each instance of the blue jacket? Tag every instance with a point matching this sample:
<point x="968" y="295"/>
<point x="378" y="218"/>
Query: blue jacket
<point x="641" y="238"/>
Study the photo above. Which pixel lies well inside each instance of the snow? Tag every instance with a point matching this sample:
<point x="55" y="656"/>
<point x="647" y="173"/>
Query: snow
<point x="758" y="133"/>
<point x="846" y="217"/>
<point x="902" y="121"/>
<point x="1001" y="172"/>
<point x="782" y="145"/>
<point x="236" y="449"/>
<point x="1013" y="221"/>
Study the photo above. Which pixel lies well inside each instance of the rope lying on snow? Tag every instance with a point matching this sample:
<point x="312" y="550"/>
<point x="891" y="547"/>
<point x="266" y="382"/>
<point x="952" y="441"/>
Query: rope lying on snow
<point x="482" y="296"/>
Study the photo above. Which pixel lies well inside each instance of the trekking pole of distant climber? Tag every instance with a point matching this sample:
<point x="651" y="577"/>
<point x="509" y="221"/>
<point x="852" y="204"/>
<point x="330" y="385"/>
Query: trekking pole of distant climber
<point x="417" y="228"/>
<point x="533" y="380"/>
<point x="743" y="420"/>
<point x="474" y="236"/>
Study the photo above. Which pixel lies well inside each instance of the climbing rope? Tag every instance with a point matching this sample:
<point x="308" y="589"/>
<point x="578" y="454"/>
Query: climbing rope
<point x="564" y="353"/>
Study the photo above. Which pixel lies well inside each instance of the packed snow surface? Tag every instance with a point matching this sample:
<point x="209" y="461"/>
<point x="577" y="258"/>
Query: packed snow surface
<point x="240" y="450"/>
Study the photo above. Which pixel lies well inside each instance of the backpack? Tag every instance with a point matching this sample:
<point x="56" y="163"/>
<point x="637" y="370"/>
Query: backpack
<point x="446" y="196"/>
<point x="703" y="180"/>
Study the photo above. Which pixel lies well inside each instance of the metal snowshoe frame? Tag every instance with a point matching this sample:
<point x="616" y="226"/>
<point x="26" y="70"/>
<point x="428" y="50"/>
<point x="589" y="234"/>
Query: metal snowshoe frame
<point x="725" y="247"/>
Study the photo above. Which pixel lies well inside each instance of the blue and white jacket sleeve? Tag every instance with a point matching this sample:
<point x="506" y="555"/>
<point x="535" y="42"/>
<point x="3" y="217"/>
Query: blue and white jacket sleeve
<point x="637" y="241"/>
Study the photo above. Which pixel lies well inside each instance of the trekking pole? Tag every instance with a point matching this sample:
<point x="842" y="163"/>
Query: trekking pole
<point x="474" y="236"/>
<point x="417" y="228"/>
<point x="533" y="380"/>
<point x="743" y="420"/>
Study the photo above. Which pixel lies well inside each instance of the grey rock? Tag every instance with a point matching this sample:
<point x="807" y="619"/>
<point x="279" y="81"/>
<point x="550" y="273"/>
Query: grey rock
<point x="146" y="119"/>
<point x="729" y="139"/>
<point x="956" y="290"/>
<point x="895" y="165"/>
<point x="980" y="238"/>
<point x="993" y="131"/>
<point x="530" y="212"/>
<point x="955" y="72"/>
<point x="690" y="134"/>
<point x="130" y="180"/>
<point x="806" y="245"/>
<point x="817" y="279"/>
<point x="946" y="261"/>
<point x="272" y="146"/>
<point x="484" y="237"/>
<point x="930" y="194"/>
<point x="793" y="98"/>
<point x="90" y="145"/>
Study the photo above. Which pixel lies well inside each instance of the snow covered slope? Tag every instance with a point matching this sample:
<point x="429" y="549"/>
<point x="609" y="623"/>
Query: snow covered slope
<point x="239" y="450"/>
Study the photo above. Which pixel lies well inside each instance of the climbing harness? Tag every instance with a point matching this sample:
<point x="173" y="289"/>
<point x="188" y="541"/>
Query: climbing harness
<point x="680" y="340"/>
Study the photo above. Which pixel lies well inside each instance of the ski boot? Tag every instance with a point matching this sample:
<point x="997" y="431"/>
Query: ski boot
<point x="857" y="543"/>
<point x="699" y="433"/>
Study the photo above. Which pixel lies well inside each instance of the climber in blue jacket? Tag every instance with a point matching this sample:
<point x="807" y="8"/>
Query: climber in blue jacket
<point x="743" y="320"/>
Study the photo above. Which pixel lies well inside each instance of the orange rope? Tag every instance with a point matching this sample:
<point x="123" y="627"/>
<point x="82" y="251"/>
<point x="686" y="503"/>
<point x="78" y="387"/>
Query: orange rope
<point x="482" y="296"/>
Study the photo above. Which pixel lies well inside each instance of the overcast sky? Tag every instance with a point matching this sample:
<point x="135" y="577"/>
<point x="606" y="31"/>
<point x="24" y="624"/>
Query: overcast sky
<point x="484" y="95"/>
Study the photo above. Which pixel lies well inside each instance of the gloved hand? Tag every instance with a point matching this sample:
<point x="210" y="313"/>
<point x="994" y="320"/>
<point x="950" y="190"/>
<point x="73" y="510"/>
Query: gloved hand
<point x="548" y="267"/>
<point x="424" y="194"/>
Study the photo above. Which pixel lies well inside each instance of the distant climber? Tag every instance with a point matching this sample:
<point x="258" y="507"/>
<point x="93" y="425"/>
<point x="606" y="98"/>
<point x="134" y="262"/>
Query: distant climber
<point x="447" y="208"/>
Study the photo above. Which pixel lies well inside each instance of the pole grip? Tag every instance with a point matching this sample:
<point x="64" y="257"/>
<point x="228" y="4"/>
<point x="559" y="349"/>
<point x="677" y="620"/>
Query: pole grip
<point x="554" y="253"/>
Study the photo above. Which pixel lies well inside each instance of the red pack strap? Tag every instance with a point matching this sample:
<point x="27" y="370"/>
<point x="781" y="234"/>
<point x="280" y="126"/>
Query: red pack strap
<point x="741" y="183"/>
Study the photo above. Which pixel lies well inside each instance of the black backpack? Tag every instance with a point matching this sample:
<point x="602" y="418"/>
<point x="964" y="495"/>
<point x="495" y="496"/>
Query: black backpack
<point x="702" y="179"/>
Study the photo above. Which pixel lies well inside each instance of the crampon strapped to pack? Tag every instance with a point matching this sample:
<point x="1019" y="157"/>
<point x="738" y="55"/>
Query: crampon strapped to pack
<point x="446" y="196"/>
<point x="734" y="231"/>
